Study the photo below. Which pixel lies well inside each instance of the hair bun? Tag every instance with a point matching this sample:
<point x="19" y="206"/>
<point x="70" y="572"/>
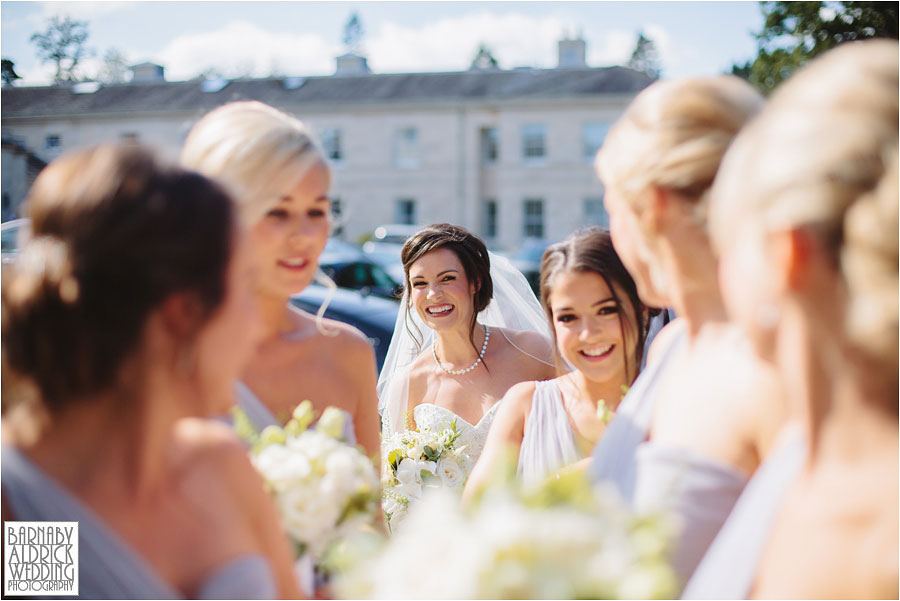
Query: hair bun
<point x="42" y="270"/>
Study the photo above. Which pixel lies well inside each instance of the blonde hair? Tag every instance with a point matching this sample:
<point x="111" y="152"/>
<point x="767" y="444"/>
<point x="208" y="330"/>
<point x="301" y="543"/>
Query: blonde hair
<point x="823" y="156"/>
<point x="255" y="150"/>
<point x="673" y="136"/>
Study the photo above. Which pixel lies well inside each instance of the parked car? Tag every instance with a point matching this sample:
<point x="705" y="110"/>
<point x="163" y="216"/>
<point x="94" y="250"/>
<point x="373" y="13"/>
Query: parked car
<point x="12" y="236"/>
<point x="528" y="260"/>
<point x="385" y="247"/>
<point x="373" y="315"/>
<point x="351" y="268"/>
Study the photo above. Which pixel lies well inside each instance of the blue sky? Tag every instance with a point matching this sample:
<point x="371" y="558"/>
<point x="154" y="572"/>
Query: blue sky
<point x="302" y="38"/>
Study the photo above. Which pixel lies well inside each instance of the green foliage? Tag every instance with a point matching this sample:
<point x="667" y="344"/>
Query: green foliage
<point x="796" y="32"/>
<point x="484" y="60"/>
<point x="62" y="44"/>
<point x="8" y="72"/>
<point x="645" y="58"/>
<point x="353" y="33"/>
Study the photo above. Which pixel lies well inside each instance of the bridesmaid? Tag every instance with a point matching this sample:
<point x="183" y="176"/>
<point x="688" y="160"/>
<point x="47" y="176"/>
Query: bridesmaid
<point x="281" y="179"/>
<point x="599" y="326"/>
<point x="697" y="423"/>
<point x="809" y="255"/>
<point x="127" y="317"/>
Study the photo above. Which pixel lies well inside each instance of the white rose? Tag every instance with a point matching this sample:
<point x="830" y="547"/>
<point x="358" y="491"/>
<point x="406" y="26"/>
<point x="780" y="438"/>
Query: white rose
<point x="391" y="505"/>
<point x="451" y="473"/>
<point x="396" y="518"/>
<point x="427" y="466"/>
<point x="409" y="472"/>
<point x="410" y="490"/>
<point x="416" y="447"/>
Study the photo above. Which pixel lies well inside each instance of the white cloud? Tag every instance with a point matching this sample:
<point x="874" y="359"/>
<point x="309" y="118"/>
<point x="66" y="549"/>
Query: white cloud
<point x="81" y="10"/>
<point x="242" y="48"/>
<point x="451" y="43"/>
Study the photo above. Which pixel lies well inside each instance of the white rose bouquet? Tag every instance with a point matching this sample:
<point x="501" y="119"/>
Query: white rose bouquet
<point x="563" y="540"/>
<point x="416" y="461"/>
<point x="324" y="489"/>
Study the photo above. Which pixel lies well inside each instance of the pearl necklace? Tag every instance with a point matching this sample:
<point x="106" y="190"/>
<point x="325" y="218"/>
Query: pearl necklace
<point x="459" y="372"/>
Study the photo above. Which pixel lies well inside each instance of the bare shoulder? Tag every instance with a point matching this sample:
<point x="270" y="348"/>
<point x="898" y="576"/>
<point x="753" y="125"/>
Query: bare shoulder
<point x="206" y="443"/>
<point x="529" y="341"/>
<point x="518" y="398"/>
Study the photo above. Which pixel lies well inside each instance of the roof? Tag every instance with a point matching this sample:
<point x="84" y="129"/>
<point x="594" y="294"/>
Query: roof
<point x="333" y="90"/>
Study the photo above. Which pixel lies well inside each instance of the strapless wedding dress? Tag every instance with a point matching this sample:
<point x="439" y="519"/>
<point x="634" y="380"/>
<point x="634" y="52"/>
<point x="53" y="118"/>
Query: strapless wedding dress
<point x="433" y="417"/>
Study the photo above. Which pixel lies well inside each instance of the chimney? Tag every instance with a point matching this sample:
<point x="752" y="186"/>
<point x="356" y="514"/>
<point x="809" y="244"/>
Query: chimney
<point x="147" y="73"/>
<point x="351" y="64"/>
<point x="572" y="53"/>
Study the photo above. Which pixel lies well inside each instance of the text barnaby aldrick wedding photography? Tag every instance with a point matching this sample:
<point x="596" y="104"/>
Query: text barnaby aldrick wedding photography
<point x="40" y="558"/>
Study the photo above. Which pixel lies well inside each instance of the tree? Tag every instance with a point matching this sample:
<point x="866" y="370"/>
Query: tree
<point x="796" y="32"/>
<point x="115" y="67"/>
<point x="8" y="72"/>
<point x="353" y="33"/>
<point x="645" y="58"/>
<point x="62" y="44"/>
<point x="484" y="59"/>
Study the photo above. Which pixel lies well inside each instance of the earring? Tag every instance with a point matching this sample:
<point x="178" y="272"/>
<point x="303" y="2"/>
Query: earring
<point x="767" y="315"/>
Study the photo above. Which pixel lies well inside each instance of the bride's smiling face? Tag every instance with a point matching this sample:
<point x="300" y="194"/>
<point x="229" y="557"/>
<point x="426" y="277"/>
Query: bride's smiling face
<point x="440" y="291"/>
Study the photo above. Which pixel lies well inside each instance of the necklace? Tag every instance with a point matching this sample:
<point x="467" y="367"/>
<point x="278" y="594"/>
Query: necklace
<point x="459" y="372"/>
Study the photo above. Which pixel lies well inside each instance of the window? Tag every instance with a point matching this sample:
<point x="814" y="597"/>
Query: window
<point x="406" y="211"/>
<point x="331" y="144"/>
<point x="594" y="212"/>
<point x="52" y="144"/>
<point x="406" y="148"/>
<point x="592" y="136"/>
<point x="337" y="218"/>
<point x="490" y="219"/>
<point x="533" y="135"/>
<point x="490" y="145"/>
<point x="534" y="218"/>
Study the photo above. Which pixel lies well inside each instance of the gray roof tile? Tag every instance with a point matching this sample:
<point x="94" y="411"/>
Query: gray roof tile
<point x="350" y="89"/>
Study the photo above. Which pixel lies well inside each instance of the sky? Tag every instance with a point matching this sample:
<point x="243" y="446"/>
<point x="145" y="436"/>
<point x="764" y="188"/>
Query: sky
<point x="302" y="38"/>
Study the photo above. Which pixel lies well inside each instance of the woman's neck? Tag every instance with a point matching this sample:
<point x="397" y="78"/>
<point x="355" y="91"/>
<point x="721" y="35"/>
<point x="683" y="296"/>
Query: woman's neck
<point x="113" y="443"/>
<point x="688" y="258"/>
<point x="843" y="423"/>
<point x="277" y="318"/>
<point x="454" y="347"/>
<point x="610" y="392"/>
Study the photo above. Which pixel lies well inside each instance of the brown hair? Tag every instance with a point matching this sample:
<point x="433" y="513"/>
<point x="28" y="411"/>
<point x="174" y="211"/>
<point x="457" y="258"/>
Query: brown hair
<point x="471" y="252"/>
<point x="114" y="233"/>
<point x="591" y="250"/>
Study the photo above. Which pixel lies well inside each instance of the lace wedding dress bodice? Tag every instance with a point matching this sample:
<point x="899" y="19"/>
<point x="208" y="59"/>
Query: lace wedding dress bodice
<point x="428" y="415"/>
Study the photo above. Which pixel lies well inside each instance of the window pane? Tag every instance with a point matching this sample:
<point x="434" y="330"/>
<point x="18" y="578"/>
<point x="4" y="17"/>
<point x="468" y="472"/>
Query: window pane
<point x="594" y="213"/>
<point x="489" y="145"/>
<point x="490" y="218"/>
<point x="406" y="211"/>
<point x="533" y="135"/>
<point x="406" y="148"/>
<point x="592" y="136"/>
<point x="331" y="144"/>
<point x="534" y="218"/>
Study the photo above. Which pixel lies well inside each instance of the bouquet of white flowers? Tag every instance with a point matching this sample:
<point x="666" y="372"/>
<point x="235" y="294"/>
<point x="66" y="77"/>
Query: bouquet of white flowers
<point x="416" y="461"/>
<point x="324" y="489"/>
<point x="564" y="540"/>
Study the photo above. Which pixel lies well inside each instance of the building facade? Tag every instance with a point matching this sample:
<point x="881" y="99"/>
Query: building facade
<point x="508" y="154"/>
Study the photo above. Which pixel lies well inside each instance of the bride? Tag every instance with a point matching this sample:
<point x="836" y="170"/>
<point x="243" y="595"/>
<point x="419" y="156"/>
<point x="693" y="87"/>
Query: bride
<point x="469" y="328"/>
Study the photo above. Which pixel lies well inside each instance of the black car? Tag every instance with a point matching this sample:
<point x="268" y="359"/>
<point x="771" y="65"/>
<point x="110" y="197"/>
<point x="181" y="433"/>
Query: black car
<point x="350" y="268"/>
<point x="373" y="315"/>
